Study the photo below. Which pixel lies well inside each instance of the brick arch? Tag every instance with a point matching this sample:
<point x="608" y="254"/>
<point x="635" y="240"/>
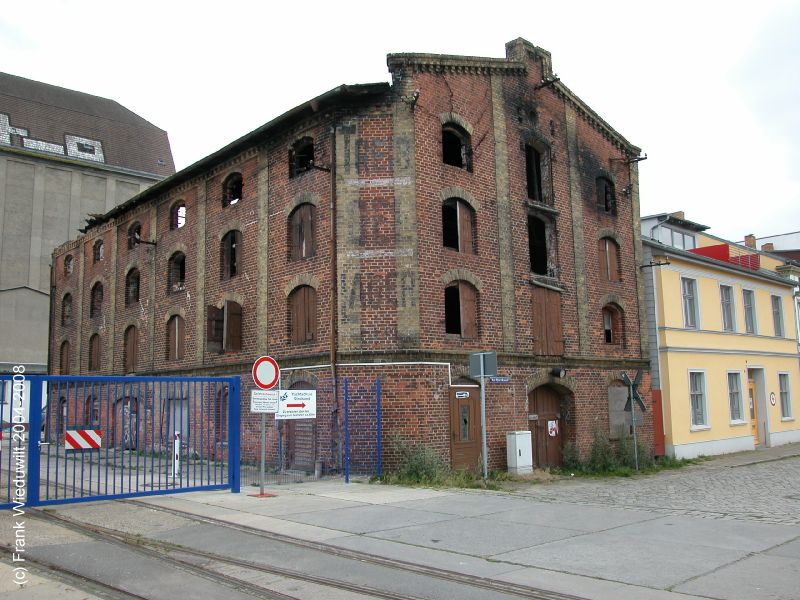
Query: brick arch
<point x="462" y="275"/>
<point x="176" y="247"/>
<point x="302" y="198"/>
<point x="301" y="279"/>
<point x="172" y="311"/>
<point x="613" y="299"/>
<point x="533" y="138"/>
<point x="128" y="323"/>
<point x="542" y="377"/>
<point x="297" y="137"/>
<point x="134" y="264"/>
<point x="294" y="377"/>
<point x="97" y="279"/>
<point x="607" y="232"/>
<point x="451" y="117"/>
<point x="608" y="175"/>
<point x="460" y="372"/>
<point x="228" y="227"/>
<point x="458" y="192"/>
<point x="230" y="296"/>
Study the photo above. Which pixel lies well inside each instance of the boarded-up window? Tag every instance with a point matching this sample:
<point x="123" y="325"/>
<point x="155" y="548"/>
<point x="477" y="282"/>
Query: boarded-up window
<point x="303" y="315"/>
<point x="65" y="357"/>
<point x="458" y="226"/>
<point x="96" y="300"/>
<point x="134" y="235"/>
<point x="175" y="333"/>
<point x="606" y="200"/>
<point x="94" y="353"/>
<point x="533" y="173"/>
<point x="548" y="336"/>
<point x="301" y="157"/>
<point x="456" y="146"/>
<point x="230" y="254"/>
<point x="461" y="310"/>
<point x="224" y="328"/>
<point x="66" y="310"/>
<point x="132" y="287"/>
<point x="176" y="273"/>
<point x="232" y="189"/>
<point x="302" y="238"/>
<point x="130" y="350"/>
<point x="608" y="256"/>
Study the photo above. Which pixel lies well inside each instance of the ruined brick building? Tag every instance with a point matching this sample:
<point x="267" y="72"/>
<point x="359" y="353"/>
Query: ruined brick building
<point x="387" y="231"/>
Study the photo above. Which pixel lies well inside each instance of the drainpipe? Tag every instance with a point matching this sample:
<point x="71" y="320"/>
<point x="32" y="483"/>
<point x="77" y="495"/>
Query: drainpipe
<point x="334" y="287"/>
<point x="52" y="316"/>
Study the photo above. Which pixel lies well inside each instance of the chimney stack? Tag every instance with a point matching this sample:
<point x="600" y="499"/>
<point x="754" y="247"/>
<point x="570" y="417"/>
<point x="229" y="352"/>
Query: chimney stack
<point x="768" y="247"/>
<point x="750" y="241"/>
<point x="678" y="214"/>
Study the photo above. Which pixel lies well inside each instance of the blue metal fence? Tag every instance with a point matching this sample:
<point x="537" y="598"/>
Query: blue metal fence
<point x="73" y="439"/>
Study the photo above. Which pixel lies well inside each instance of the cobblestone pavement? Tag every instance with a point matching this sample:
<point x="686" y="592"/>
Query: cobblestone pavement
<point x="762" y="486"/>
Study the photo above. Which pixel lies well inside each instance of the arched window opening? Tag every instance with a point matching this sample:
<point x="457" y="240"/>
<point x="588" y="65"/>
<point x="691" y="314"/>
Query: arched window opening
<point x="66" y="310"/>
<point x="134" y="235"/>
<point x="533" y="173"/>
<point x="458" y="226"/>
<point x="65" y="355"/>
<point x="176" y="273"/>
<point x="97" y="251"/>
<point x="232" y="189"/>
<point x="175" y="333"/>
<point x="130" y="350"/>
<point x="301" y="157"/>
<point x="612" y="325"/>
<point x="96" y="300"/>
<point x="302" y="243"/>
<point x="303" y="315"/>
<point x="609" y="259"/>
<point x="132" y="287"/>
<point x="230" y="254"/>
<point x="460" y="310"/>
<point x="456" y="147"/>
<point x="224" y="327"/>
<point x="68" y="264"/>
<point x="177" y="215"/>
<point x="606" y="199"/>
<point x="94" y="353"/>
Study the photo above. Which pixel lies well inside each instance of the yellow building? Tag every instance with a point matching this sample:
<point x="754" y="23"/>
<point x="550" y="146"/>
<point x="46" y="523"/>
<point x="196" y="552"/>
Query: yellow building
<point x="723" y="340"/>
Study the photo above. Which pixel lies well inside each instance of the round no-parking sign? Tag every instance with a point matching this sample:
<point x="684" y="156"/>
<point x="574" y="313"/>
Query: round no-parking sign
<point x="266" y="372"/>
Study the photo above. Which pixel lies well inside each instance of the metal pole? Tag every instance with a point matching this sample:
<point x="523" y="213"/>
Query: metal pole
<point x="378" y="400"/>
<point x="263" y="453"/>
<point x="633" y="421"/>
<point x="346" y="435"/>
<point x="483" y="423"/>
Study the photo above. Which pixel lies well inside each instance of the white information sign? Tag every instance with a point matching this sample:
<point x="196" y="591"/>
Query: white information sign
<point x="297" y="404"/>
<point x="264" y="401"/>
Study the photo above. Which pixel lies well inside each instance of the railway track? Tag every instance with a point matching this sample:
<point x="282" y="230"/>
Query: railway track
<point x="197" y="561"/>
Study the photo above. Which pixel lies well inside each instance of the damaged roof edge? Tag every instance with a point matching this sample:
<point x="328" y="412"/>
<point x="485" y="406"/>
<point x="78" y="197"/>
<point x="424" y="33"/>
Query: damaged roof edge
<point x="324" y="101"/>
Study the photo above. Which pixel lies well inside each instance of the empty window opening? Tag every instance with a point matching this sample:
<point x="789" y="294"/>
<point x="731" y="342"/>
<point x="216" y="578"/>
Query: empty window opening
<point x="302" y="242"/>
<point x="612" y="325"/>
<point x="301" y="157"/>
<point x="130" y="350"/>
<point x="232" y="189"/>
<point x="533" y="173"/>
<point x="177" y="218"/>
<point x="537" y="245"/>
<point x="94" y="353"/>
<point x="224" y="328"/>
<point x="134" y="235"/>
<point x="176" y="273"/>
<point x="97" y="251"/>
<point x="230" y="254"/>
<point x="175" y="332"/>
<point x="460" y="310"/>
<point x="68" y="264"/>
<point x="458" y="226"/>
<point x="606" y="199"/>
<point x="96" y="300"/>
<point x="303" y="315"/>
<point x="456" y="147"/>
<point x="132" y="287"/>
<point x="66" y="310"/>
<point x="65" y="357"/>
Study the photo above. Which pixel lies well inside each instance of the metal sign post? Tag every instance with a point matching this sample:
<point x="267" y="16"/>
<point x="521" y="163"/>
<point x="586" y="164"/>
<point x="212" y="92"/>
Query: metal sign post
<point x="266" y="375"/>
<point x="633" y="399"/>
<point x="483" y="365"/>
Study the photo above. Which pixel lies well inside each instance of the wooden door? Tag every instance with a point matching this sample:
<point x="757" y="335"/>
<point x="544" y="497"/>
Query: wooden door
<point x="544" y="416"/>
<point x="300" y="444"/>
<point x="751" y="393"/>
<point x="465" y="429"/>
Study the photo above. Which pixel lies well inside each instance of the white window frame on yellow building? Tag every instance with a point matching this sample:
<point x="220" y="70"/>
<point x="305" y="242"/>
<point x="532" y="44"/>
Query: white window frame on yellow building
<point x="729" y="327"/>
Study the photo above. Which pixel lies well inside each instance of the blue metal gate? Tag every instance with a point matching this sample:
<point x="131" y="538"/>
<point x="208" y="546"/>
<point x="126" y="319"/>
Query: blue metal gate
<point x="76" y="439"/>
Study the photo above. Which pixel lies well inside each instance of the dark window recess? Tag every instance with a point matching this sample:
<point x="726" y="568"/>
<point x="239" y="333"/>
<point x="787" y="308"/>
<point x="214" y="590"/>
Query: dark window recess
<point x="303" y="315"/>
<point x="301" y="157"/>
<point x="176" y="273"/>
<point x="533" y="173"/>
<point x="66" y="310"/>
<point x="612" y="325"/>
<point x="68" y="264"/>
<point x="608" y="252"/>
<point x="175" y="333"/>
<point x="458" y="226"/>
<point x="302" y="243"/>
<point x="132" y="287"/>
<point x="224" y="328"/>
<point x="230" y="254"/>
<point x="134" y="235"/>
<point x="232" y="189"/>
<point x="65" y="357"/>
<point x="606" y="199"/>
<point x="96" y="300"/>
<point x="548" y="336"/>
<point x="460" y="310"/>
<point x="94" y="353"/>
<point x="97" y="251"/>
<point x="537" y="245"/>
<point x="85" y="148"/>
<point x="177" y="217"/>
<point x="456" y="147"/>
<point x="130" y="350"/>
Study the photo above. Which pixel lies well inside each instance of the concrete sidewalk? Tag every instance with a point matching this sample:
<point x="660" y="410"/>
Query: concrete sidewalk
<point x="581" y="547"/>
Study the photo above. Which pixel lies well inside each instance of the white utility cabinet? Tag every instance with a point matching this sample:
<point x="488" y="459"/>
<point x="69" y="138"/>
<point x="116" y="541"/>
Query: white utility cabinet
<point x="519" y="452"/>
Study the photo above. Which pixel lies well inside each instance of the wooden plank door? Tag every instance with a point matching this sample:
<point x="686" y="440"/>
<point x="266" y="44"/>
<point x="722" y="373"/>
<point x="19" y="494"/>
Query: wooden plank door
<point x="546" y="424"/>
<point x="465" y="430"/>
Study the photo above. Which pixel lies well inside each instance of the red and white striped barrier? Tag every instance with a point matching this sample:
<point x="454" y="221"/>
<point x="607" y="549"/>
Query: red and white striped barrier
<point x="83" y="439"/>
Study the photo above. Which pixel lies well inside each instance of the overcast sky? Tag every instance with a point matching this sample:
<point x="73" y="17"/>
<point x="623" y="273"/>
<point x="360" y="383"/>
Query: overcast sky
<point x="709" y="90"/>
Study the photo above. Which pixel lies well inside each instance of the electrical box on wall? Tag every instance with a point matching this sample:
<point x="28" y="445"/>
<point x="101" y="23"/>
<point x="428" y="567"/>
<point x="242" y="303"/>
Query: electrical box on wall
<point x="519" y="452"/>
